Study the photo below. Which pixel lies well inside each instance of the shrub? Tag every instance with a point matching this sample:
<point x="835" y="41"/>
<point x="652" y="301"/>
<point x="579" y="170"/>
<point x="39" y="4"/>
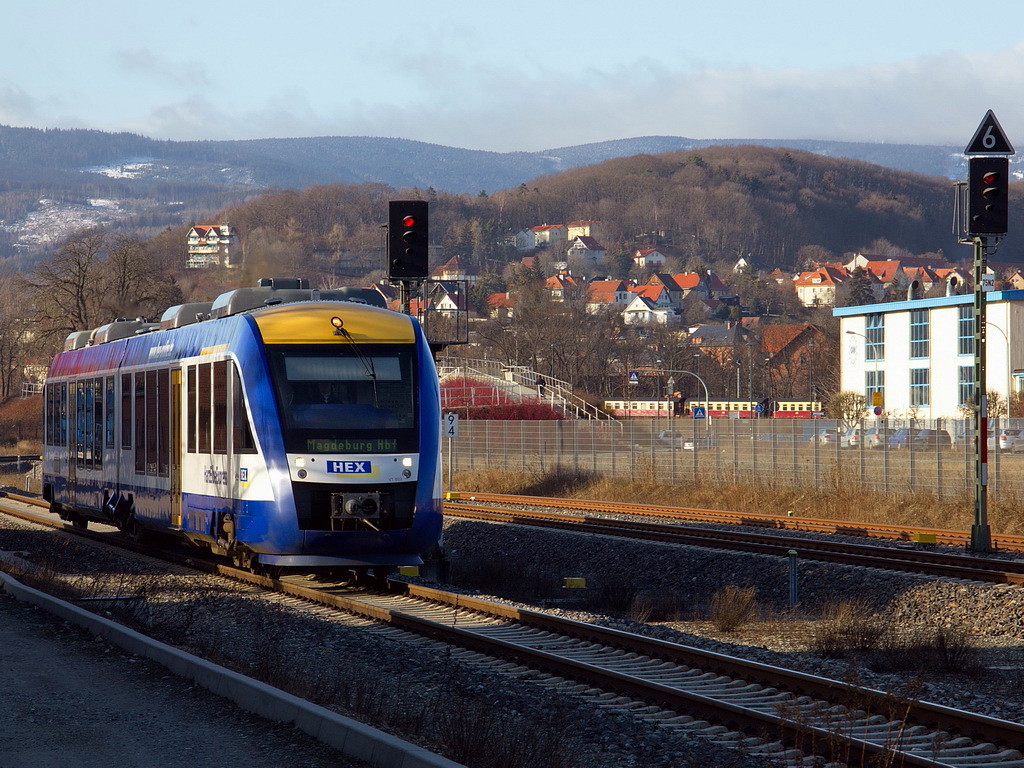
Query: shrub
<point x="732" y="607"/>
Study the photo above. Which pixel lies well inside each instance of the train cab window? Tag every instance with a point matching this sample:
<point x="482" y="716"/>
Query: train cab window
<point x="350" y="397"/>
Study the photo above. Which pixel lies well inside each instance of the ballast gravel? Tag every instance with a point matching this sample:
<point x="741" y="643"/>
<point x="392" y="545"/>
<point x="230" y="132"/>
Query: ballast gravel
<point x="420" y="690"/>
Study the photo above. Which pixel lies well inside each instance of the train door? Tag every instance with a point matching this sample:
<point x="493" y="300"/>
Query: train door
<point x="73" y="438"/>
<point x="175" y="436"/>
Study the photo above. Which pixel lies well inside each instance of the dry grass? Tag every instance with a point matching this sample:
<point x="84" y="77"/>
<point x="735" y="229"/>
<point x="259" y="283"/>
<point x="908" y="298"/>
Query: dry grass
<point x="732" y="607"/>
<point x="1006" y="514"/>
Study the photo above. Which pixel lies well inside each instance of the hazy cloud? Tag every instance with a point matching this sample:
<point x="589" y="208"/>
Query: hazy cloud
<point x="188" y="74"/>
<point x="937" y="99"/>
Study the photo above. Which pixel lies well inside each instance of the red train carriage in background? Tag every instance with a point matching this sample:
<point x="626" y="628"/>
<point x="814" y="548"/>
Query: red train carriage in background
<point x="716" y="408"/>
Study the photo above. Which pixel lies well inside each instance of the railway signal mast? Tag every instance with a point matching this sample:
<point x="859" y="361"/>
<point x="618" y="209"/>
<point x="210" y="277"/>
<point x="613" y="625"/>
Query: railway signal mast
<point x="985" y="224"/>
<point x="407" y="247"/>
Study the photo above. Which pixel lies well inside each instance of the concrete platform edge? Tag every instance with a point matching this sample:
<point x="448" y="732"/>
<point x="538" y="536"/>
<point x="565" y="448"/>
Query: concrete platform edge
<point x="343" y="733"/>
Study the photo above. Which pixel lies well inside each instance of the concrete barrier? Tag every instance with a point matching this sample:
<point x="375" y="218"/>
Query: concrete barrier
<point x="348" y="736"/>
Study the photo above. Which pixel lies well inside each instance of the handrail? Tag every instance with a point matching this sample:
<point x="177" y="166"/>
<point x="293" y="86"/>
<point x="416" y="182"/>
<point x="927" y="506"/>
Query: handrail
<point x="556" y="391"/>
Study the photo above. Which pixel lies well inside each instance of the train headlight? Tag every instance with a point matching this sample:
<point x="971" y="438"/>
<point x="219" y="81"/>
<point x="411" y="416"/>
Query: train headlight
<point x="407" y="462"/>
<point x="300" y="462"/>
<point x="338" y="324"/>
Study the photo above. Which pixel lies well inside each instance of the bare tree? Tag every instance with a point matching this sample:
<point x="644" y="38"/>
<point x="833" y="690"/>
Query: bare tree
<point x="67" y="289"/>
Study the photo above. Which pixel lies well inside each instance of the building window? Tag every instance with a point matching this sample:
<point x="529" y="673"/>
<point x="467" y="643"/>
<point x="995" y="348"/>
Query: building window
<point x="875" y="333"/>
<point x="919" y="333"/>
<point x="966" y="326"/>
<point x="919" y="389"/>
<point x="966" y="385"/>
<point x="874" y="381"/>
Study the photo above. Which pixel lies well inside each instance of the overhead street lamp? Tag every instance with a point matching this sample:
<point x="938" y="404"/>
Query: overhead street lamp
<point x="707" y="395"/>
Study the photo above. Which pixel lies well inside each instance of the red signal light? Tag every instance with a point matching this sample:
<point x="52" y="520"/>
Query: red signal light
<point x="990" y="177"/>
<point x="408" y="221"/>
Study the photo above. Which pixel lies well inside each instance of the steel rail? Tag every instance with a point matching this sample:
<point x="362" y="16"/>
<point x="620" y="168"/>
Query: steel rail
<point x="863" y="555"/>
<point x="785" y="522"/>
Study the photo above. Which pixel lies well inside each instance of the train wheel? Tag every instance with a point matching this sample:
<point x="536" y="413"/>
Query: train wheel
<point x="80" y="523"/>
<point x="132" y="531"/>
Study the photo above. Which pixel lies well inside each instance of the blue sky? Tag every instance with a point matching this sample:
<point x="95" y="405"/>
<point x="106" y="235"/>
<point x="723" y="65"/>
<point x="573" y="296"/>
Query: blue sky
<point x="526" y="75"/>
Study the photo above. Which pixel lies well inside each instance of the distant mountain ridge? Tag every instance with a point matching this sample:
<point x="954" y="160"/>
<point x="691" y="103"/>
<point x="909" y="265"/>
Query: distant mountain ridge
<point x="49" y="176"/>
<point x="299" y="162"/>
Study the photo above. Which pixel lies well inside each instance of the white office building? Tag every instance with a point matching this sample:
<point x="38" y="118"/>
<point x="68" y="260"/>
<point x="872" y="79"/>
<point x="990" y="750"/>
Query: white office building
<point x="919" y="354"/>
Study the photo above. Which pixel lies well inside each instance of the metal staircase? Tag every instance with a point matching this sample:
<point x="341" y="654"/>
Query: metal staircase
<point x="521" y="383"/>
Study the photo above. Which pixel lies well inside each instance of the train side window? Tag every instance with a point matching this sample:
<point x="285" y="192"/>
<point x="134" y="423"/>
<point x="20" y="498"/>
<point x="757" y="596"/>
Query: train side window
<point x="140" y="423"/>
<point x="108" y="391"/>
<point x="97" y="423"/>
<point x="62" y="409"/>
<point x="152" y="423"/>
<point x="163" y="419"/>
<point x="220" y="406"/>
<point x="126" y="410"/>
<point x="203" y="408"/>
<point x="190" y="410"/>
<point x="241" y="439"/>
<point x="48" y="414"/>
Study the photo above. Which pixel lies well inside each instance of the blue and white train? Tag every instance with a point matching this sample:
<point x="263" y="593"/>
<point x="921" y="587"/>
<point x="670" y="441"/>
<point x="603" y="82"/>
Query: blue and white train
<point x="281" y="427"/>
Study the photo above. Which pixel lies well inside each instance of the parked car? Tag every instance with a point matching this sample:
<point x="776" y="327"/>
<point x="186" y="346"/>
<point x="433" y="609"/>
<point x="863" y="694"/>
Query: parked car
<point x="900" y="438"/>
<point x="671" y="437"/>
<point x="921" y="438"/>
<point x="877" y="437"/>
<point x="825" y="437"/>
<point x="850" y="438"/>
<point x="1007" y="440"/>
<point x="931" y="438"/>
<point x="698" y="443"/>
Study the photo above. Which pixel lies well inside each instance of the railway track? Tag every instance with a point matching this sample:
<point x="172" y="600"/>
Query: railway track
<point x="782" y="522"/>
<point x="941" y="564"/>
<point x="756" y="707"/>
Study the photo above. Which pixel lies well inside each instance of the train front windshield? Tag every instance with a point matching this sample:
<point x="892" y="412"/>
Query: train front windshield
<point x="350" y="398"/>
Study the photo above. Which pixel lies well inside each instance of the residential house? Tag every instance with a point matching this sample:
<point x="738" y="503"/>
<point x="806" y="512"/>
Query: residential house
<point x="539" y="237"/>
<point x="648" y="257"/>
<point x="455" y="269"/>
<point x="706" y="286"/>
<point x="562" y="286"/>
<point x="791" y="354"/>
<point x="673" y="291"/>
<point x="586" y="248"/>
<point x="500" y="306"/>
<point x="818" y="288"/>
<point x="647" y="312"/>
<point x="607" y="293"/>
<point x="593" y="229"/>
<point x="212" y="245"/>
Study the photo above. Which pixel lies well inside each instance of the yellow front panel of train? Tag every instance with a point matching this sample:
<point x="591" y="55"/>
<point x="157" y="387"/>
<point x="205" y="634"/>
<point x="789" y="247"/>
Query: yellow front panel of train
<point x="312" y="324"/>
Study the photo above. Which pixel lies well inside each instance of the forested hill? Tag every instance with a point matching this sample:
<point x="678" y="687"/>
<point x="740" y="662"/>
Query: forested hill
<point x="710" y="201"/>
<point x="703" y="206"/>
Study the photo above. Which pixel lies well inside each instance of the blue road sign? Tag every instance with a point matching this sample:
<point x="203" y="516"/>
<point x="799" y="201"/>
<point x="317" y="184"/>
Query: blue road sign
<point x="699" y="412"/>
<point x="759" y="407"/>
<point x="634" y="377"/>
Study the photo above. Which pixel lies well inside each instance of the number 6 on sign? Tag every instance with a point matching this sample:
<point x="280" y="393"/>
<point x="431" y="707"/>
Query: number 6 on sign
<point x="451" y="425"/>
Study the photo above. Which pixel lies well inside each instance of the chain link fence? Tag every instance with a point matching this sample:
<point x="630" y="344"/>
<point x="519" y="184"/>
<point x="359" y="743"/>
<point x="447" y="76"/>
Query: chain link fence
<point x="813" y="453"/>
